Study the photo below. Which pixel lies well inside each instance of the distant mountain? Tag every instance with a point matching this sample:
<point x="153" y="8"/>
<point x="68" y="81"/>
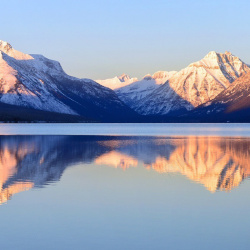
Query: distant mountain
<point x="117" y="82"/>
<point x="33" y="81"/>
<point x="132" y="94"/>
<point x="198" y="83"/>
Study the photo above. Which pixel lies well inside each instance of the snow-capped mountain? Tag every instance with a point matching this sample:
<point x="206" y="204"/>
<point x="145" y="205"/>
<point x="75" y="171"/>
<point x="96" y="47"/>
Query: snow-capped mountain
<point x="33" y="81"/>
<point x="198" y="83"/>
<point x="135" y="92"/>
<point x="117" y="82"/>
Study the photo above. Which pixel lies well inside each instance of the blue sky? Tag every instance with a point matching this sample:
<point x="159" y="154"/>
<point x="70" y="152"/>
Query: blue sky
<point x="100" y="39"/>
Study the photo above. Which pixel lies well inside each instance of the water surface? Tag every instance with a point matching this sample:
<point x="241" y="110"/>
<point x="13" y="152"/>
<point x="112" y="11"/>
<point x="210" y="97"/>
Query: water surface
<point x="124" y="192"/>
<point x="136" y="129"/>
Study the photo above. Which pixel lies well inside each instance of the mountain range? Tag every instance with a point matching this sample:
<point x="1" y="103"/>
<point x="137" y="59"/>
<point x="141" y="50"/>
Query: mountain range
<point x="34" y="88"/>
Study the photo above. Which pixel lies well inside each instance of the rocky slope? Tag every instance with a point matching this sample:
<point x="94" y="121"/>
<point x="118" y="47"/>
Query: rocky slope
<point x="235" y="97"/>
<point x="33" y="81"/>
<point x="232" y="104"/>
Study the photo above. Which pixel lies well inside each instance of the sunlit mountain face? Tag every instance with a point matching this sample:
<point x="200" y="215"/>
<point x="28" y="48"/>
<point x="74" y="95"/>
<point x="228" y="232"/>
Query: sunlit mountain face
<point x="219" y="163"/>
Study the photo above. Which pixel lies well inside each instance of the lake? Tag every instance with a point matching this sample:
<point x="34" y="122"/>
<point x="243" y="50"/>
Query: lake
<point x="124" y="186"/>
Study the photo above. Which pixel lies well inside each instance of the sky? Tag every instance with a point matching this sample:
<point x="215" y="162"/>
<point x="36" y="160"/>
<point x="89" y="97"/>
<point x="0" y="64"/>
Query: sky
<point x="100" y="39"/>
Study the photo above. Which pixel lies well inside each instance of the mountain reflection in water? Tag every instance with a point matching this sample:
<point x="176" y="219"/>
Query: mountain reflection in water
<point x="219" y="163"/>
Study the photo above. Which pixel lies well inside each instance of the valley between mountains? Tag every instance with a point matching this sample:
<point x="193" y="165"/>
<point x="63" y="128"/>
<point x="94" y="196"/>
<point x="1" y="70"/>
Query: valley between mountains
<point x="34" y="88"/>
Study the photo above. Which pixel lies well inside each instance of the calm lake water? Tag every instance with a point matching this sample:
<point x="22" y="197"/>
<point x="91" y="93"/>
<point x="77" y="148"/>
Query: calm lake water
<point x="124" y="186"/>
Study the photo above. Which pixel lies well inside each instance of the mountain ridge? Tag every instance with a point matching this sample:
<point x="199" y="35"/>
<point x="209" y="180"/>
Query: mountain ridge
<point x="36" y="83"/>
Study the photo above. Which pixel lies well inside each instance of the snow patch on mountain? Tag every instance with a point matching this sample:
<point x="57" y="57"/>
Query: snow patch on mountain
<point x="117" y="82"/>
<point x="7" y="49"/>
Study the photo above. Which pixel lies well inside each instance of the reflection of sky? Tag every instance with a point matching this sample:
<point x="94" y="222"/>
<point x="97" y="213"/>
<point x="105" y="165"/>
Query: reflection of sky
<point x="100" y="39"/>
<point x="163" y="129"/>
<point x="103" y="208"/>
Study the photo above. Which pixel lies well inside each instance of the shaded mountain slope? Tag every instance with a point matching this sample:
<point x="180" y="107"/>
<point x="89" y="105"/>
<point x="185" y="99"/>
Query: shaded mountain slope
<point x="15" y="113"/>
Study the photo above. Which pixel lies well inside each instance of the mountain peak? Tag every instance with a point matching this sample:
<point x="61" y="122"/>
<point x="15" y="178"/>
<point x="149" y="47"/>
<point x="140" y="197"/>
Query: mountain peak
<point x="228" y="53"/>
<point x="5" y="46"/>
<point x="216" y="60"/>
<point x="124" y="77"/>
<point x="147" y="77"/>
<point x="211" y="55"/>
<point x="214" y="54"/>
